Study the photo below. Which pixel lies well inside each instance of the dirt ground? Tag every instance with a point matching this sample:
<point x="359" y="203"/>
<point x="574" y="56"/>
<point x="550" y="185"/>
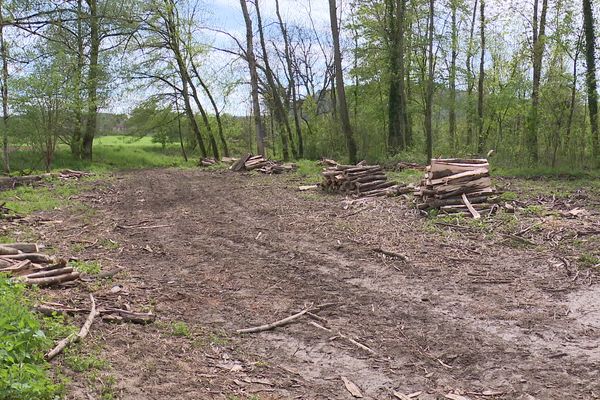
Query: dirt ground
<point x="472" y="311"/>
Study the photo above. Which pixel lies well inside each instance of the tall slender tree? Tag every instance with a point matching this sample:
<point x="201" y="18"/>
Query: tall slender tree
<point x="260" y="130"/>
<point x="342" y="106"/>
<point x="590" y="76"/>
<point x="429" y="82"/>
<point x="480" y="135"/>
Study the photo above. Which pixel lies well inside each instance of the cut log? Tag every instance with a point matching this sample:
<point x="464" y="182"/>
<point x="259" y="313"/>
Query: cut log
<point x="473" y="212"/>
<point x="52" y="280"/>
<point x="239" y="164"/>
<point x="14" y="181"/>
<point x="33" y="257"/>
<point x="7" y="251"/>
<point x="460" y="177"/>
<point x="117" y="315"/>
<point x="48" y="273"/>
<point x="24" y="247"/>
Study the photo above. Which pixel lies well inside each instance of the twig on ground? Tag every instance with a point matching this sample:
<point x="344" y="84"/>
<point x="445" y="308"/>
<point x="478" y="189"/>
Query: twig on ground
<point x="340" y="334"/>
<point x="83" y="332"/>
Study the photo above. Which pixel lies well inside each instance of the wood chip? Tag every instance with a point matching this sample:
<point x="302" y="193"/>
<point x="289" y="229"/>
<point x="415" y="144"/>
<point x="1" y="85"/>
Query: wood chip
<point x="351" y="387"/>
<point x="454" y="396"/>
<point x="400" y="396"/>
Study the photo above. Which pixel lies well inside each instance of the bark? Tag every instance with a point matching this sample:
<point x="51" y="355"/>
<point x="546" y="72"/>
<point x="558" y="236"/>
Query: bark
<point x="339" y="83"/>
<point x="397" y="97"/>
<point x="452" y="79"/>
<point x="470" y="78"/>
<point x="215" y="109"/>
<point x="429" y="89"/>
<point x="278" y="112"/>
<point x="260" y="132"/>
<point x="4" y="55"/>
<point x="191" y="117"/>
<point x="76" y="137"/>
<point x="292" y="81"/>
<point x="92" y="83"/>
<point x="183" y="153"/>
<point x="480" y="134"/>
<point x="590" y="77"/>
<point x="573" y="95"/>
<point x="539" y="29"/>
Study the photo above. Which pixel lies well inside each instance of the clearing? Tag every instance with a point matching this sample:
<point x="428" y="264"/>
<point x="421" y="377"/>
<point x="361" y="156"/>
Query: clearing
<point x="504" y="309"/>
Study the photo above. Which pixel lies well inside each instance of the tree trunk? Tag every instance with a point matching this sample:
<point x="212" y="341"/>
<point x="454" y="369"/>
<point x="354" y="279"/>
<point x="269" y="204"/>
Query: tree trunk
<point x="92" y="83"/>
<point x="429" y="90"/>
<point x="590" y="76"/>
<point x="76" y="137"/>
<point x="279" y="112"/>
<point x="452" y="79"/>
<point x="183" y="153"/>
<point x="292" y="81"/>
<point x="396" y="98"/>
<point x="470" y="79"/>
<point x="539" y="28"/>
<point x="215" y="109"/>
<point x="480" y="135"/>
<point x="191" y="117"/>
<point x="339" y="82"/>
<point x="4" y="55"/>
<point x="260" y="132"/>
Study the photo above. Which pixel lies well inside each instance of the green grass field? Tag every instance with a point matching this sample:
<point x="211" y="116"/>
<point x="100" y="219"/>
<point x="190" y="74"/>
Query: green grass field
<point x="110" y="153"/>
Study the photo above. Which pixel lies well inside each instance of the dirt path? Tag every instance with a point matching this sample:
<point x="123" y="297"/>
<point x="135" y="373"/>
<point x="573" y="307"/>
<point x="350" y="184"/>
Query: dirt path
<point x="218" y="251"/>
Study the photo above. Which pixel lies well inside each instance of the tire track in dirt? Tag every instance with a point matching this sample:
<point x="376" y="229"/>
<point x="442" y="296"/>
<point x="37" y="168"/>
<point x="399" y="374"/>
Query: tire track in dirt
<point x="216" y="271"/>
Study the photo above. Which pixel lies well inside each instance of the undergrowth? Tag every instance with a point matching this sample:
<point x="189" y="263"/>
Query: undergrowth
<point x="23" y="370"/>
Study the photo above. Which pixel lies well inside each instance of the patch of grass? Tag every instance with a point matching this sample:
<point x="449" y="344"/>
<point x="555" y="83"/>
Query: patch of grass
<point x="87" y="267"/>
<point x="309" y="171"/>
<point x="218" y="339"/>
<point x="83" y="362"/>
<point x="509" y="196"/>
<point x="23" y="370"/>
<point x="180" y="329"/>
<point x="109" y="244"/>
<point x="588" y="260"/>
<point x="107" y="390"/>
<point x="7" y="239"/>
<point x="405" y="176"/>
<point x="25" y="200"/>
<point x="535" y="209"/>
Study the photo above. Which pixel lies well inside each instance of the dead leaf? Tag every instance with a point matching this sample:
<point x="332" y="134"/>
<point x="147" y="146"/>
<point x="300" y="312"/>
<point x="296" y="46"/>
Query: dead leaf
<point x="351" y="387"/>
<point x="148" y="249"/>
<point x="400" y="396"/>
<point x="453" y="396"/>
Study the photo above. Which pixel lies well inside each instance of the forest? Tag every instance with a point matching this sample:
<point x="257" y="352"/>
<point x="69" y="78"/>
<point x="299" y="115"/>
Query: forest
<point x="373" y="80"/>
<point x="299" y="199"/>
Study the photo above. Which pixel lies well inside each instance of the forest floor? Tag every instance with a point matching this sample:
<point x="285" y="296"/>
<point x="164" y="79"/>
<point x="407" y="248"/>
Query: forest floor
<point x="506" y="308"/>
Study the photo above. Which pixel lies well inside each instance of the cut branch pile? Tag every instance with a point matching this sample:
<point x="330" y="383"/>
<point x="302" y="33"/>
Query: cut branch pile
<point x="207" y="162"/>
<point x="24" y="262"/>
<point x="457" y="186"/>
<point x="261" y="164"/>
<point x="10" y="182"/>
<point x="360" y="180"/>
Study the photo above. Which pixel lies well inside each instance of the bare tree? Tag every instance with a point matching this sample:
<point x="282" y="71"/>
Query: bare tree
<point x="339" y="81"/>
<point x="429" y="87"/>
<point x="590" y="76"/>
<point x="260" y="131"/>
<point x="480" y="135"/>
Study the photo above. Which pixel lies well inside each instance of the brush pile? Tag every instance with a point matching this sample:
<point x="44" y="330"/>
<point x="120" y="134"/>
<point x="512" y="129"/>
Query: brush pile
<point x="25" y="263"/>
<point x="360" y="180"/>
<point x="261" y="164"/>
<point x="457" y="186"/>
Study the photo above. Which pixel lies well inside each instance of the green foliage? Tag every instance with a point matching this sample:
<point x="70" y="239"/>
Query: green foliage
<point x="180" y="329"/>
<point x="588" y="260"/>
<point x="24" y="200"/>
<point x="87" y="267"/>
<point x="83" y="362"/>
<point x="23" y="371"/>
<point x="309" y="170"/>
<point x="509" y="196"/>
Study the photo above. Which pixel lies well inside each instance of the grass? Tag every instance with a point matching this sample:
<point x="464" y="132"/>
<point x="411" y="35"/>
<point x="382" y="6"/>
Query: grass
<point x="87" y="267"/>
<point x="587" y="260"/>
<point x="23" y="370"/>
<point x="25" y="200"/>
<point x="110" y="153"/>
<point x="180" y="329"/>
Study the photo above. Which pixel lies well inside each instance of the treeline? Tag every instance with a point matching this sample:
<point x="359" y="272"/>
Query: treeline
<point x="379" y="79"/>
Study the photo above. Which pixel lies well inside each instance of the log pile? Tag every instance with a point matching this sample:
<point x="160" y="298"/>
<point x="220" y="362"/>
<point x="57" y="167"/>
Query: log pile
<point x="456" y="186"/>
<point x="10" y="182"/>
<point x="25" y="263"/>
<point x="360" y="180"/>
<point x="261" y="164"/>
<point x="207" y="162"/>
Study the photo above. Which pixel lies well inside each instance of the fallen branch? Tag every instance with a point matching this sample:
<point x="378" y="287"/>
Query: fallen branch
<point x="275" y="324"/>
<point x="83" y="332"/>
<point x="340" y="334"/>
<point x="390" y="254"/>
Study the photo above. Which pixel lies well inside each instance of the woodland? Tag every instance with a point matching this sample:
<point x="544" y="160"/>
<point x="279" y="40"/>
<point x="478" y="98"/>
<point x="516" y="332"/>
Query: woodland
<point x="374" y="79"/>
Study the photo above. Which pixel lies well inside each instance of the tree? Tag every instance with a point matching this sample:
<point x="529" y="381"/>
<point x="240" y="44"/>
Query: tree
<point x="429" y="82"/>
<point x="260" y="131"/>
<point x="480" y="135"/>
<point x="590" y="76"/>
<point x="339" y="81"/>
<point x="539" y="38"/>
<point x="452" y="77"/>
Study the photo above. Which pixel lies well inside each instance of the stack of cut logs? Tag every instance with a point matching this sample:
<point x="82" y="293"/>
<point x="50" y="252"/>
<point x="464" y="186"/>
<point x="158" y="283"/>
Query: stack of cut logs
<point x="25" y="262"/>
<point x="456" y="186"/>
<point x="261" y="164"/>
<point x="360" y="180"/>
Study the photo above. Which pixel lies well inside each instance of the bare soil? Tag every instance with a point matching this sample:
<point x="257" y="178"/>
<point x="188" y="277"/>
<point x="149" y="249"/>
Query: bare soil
<point x="474" y="311"/>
